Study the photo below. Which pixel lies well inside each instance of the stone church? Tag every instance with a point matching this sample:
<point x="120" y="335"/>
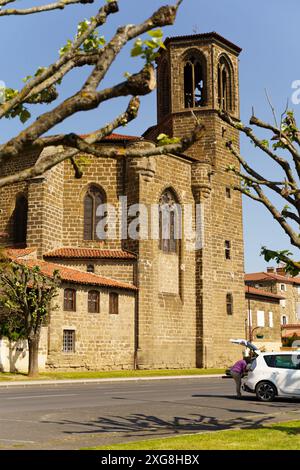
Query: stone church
<point x="144" y="301"/>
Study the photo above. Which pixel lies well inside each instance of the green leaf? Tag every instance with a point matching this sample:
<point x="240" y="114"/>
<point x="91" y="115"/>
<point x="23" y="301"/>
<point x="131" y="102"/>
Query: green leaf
<point x="24" y="115"/>
<point x="136" y="51"/>
<point x="156" y="33"/>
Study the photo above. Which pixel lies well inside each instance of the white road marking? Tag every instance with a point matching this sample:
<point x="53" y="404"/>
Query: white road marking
<point x="41" y="396"/>
<point x="18" y="420"/>
<point x="16" y="440"/>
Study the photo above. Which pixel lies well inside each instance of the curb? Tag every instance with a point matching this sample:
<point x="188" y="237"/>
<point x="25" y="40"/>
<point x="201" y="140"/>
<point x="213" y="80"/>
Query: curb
<point x="29" y="383"/>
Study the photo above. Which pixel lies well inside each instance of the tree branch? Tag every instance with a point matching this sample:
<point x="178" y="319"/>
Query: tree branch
<point x="98" y="20"/>
<point x="40" y="9"/>
<point x="248" y="131"/>
<point x="49" y="160"/>
<point x="259" y="179"/>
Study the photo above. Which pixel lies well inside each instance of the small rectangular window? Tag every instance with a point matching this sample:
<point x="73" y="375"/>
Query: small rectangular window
<point x="229" y="304"/>
<point x="283" y="287"/>
<point x="227" y="249"/>
<point x="70" y="300"/>
<point x="271" y="322"/>
<point x="228" y="193"/>
<point x="113" y="303"/>
<point x="93" y="301"/>
<point x="69" y="341"/>
<point x="260" y="318"/>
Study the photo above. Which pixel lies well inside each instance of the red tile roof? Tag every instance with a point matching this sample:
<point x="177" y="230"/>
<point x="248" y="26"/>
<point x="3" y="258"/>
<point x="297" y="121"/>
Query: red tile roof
<point x="291" y="330"/>
<point x="262" y="276"/>
<point x="89" y="253"/>
<point x="261" y="293"/>
<point x="75" y="276"/>
<point x="116" y="137"/>
<point x="19" y="252"/>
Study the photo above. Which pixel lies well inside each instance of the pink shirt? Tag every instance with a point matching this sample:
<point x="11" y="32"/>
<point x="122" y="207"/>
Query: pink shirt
<point x="239" y="366"/>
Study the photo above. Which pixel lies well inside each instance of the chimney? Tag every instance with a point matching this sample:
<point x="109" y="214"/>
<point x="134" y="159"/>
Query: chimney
<point x="281" y="271"/>
<point x="270" y="269"/>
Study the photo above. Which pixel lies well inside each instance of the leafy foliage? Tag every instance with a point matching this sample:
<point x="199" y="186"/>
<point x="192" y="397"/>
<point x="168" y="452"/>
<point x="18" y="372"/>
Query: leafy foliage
<point x="164" y="139"/>
<point x="148" y="49"/>
<point x="284" y="256"/>
<point x="93" y="42"/>
<point x="25" y="297"/>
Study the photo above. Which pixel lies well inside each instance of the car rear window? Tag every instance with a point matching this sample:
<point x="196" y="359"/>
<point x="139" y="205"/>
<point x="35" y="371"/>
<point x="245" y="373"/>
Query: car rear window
<point x="283" y="361"/>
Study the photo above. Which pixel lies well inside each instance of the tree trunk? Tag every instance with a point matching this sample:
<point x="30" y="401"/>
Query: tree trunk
<point x="33" y="365"/>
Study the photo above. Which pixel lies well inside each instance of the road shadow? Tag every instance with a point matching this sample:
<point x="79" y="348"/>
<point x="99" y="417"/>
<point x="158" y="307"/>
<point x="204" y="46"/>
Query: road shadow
<point x="142" y="425"/>
<point x="251" y="398"/>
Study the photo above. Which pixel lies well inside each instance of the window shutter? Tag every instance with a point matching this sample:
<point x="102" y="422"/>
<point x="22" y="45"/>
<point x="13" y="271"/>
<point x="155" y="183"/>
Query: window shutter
<point x="113" y="303"/>
<point x="271" y="322"/>
<point x="260" y="318"/>
<point x="93" y="302"/>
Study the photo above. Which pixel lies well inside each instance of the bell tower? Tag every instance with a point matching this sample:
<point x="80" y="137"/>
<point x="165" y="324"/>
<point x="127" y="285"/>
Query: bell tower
<point x="197" y="76"/>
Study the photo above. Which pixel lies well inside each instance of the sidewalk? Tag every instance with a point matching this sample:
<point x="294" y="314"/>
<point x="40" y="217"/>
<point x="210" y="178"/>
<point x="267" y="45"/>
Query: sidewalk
<point x="58" y="382"/>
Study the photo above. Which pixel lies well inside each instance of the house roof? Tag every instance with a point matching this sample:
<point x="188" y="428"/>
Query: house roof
<point x="89" y="253"/>
<point x="262" y="293"/>
<point x="290" y="330"/>
<point x="262" y="276"/>
<point x="75" y="276"/>
<point x="19" y="252"/>
<point x="204" y="36"/>
<point x="116" y="137"/>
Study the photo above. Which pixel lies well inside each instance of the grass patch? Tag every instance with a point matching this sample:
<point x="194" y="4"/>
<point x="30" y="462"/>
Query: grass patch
<point x="278" y="436"/>
<point x="6" y="376"/>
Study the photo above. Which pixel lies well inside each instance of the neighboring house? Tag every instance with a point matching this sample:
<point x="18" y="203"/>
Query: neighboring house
<point x="276" y="281"/>
<point x="190" y="299"/>
<point x="263" y="318"/>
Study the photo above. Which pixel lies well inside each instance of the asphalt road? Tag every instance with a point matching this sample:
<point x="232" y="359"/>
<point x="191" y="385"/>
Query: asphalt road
<point x="82" y="415"/>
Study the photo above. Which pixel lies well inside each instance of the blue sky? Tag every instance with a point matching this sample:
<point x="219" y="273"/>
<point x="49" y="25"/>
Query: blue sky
<point x="268" y="32"/>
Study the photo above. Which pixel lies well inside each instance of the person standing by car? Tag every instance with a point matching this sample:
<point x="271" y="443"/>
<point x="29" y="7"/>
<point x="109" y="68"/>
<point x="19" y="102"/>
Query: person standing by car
<point x="237" y="371"/>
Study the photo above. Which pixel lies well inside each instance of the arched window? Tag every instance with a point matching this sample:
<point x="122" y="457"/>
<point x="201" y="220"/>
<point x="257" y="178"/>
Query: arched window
<point x="93" y="199"/>
<point x="165" y="89"/>
<point x="194" y="82"/>
<point x="93" y="301"/>
<point x="20" y="220"/>
<point x="229" y="304"/>
<point x="224" y="85"/>
<point x="169" y="222"/>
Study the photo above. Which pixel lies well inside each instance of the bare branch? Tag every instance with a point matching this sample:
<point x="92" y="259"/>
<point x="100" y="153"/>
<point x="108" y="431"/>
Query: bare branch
<point x="138" y="84"/>
<point x="248" y="131"/>
<point x="259" y="179"/>
<point x="272" y="107"/>
<point x="58" y="155"/>
<point x="40" y="9"/>
<point x="291" y="215"/>
<point x="95" y="22"/>
<point x="162" y="17"/>
<point x="282" y="137"/>
<point x="247" y="193"/>
<point x="294" y="237"/>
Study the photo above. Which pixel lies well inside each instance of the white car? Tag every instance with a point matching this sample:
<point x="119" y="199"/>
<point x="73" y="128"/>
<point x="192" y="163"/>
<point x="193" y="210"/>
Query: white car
<point x="272" y="374"/>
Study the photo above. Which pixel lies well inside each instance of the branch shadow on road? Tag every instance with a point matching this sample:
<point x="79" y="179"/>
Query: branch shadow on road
<point x="141" y="425"/>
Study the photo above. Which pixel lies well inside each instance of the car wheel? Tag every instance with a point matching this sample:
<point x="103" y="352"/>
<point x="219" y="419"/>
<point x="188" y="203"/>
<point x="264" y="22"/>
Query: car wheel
<point x="265" y="391"/>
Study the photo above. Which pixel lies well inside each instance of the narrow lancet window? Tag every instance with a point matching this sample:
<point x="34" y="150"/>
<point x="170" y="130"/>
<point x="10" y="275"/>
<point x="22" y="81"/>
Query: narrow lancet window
<point x="194" y="83"/>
